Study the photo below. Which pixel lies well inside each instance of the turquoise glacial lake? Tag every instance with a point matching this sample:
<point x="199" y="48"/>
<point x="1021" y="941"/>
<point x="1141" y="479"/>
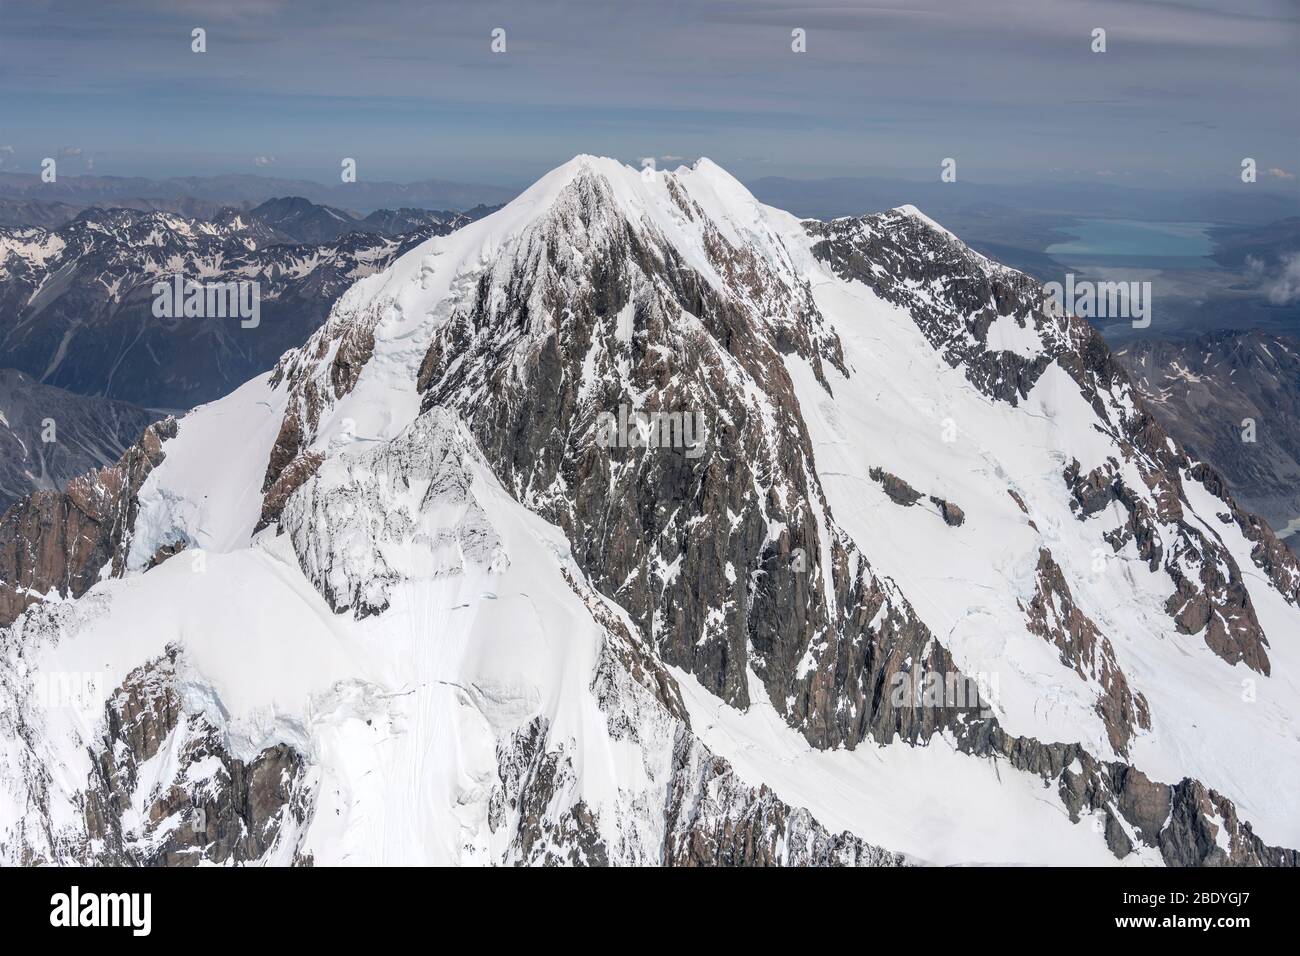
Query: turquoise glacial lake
<point x="1127" y="237"/>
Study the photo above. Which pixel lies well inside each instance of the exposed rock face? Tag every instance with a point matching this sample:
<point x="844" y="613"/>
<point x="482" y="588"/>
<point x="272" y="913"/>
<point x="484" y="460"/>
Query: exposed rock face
<point x="711" y="817"/>
<point x="717" y="820"/>
<point x="953" y="516"/>
<point x="286" y="482"/>
<point x="956" y="297"/>
<point x="532" y="782"/>
<point x="622" y="300"/>
<point x="63" y="542"/>
<point x="1270" y="554"/>
<point x="165" y="791"/>
<point x="903" y="258"/>
<point x="318" y="375"/>
<point x="1053" y="615"/>
<point x="163" y="788"/>
<point x="973" y="294"/>
<point x="899" y="491"/>
<point x="671" y="538"/>
<point x="1213" y="602"/>
<point x="696" y="813"/>
<point x="1188" y="824"/>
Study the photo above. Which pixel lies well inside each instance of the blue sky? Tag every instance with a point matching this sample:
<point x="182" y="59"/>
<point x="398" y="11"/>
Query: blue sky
<point x="1010" y="88"/>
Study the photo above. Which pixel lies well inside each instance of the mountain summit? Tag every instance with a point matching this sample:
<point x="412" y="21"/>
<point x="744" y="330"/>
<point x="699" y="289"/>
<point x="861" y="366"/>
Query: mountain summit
<point x="639" y="522"/>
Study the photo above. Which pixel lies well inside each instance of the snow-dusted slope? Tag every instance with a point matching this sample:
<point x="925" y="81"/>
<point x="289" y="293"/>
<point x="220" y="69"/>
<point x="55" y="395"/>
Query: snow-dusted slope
<point x="399" y="601"/>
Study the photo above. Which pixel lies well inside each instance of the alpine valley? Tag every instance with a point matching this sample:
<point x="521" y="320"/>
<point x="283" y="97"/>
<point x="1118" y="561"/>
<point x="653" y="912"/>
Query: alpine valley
<point x="400" y="601"/>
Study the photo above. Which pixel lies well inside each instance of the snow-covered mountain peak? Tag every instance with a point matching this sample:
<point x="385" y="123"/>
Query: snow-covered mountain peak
<point x="556" y="236"/>
<point x="907" y="209"/>
<point x="639" y="521"/>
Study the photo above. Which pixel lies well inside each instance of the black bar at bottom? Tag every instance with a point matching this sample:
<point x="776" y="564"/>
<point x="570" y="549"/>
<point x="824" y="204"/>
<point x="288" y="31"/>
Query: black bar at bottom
<point x="189" y="905"/>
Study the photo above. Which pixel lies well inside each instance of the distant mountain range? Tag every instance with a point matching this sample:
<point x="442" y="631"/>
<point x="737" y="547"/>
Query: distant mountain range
<point x="1233" y="399"/>
<point x="301" y="220"/>
<point x="48" y="435"/>
<point x="246" y="191"/>
<point x="77" y="302"/>
<point x="958" y="201"/>
<point x="1266" y="244"/>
